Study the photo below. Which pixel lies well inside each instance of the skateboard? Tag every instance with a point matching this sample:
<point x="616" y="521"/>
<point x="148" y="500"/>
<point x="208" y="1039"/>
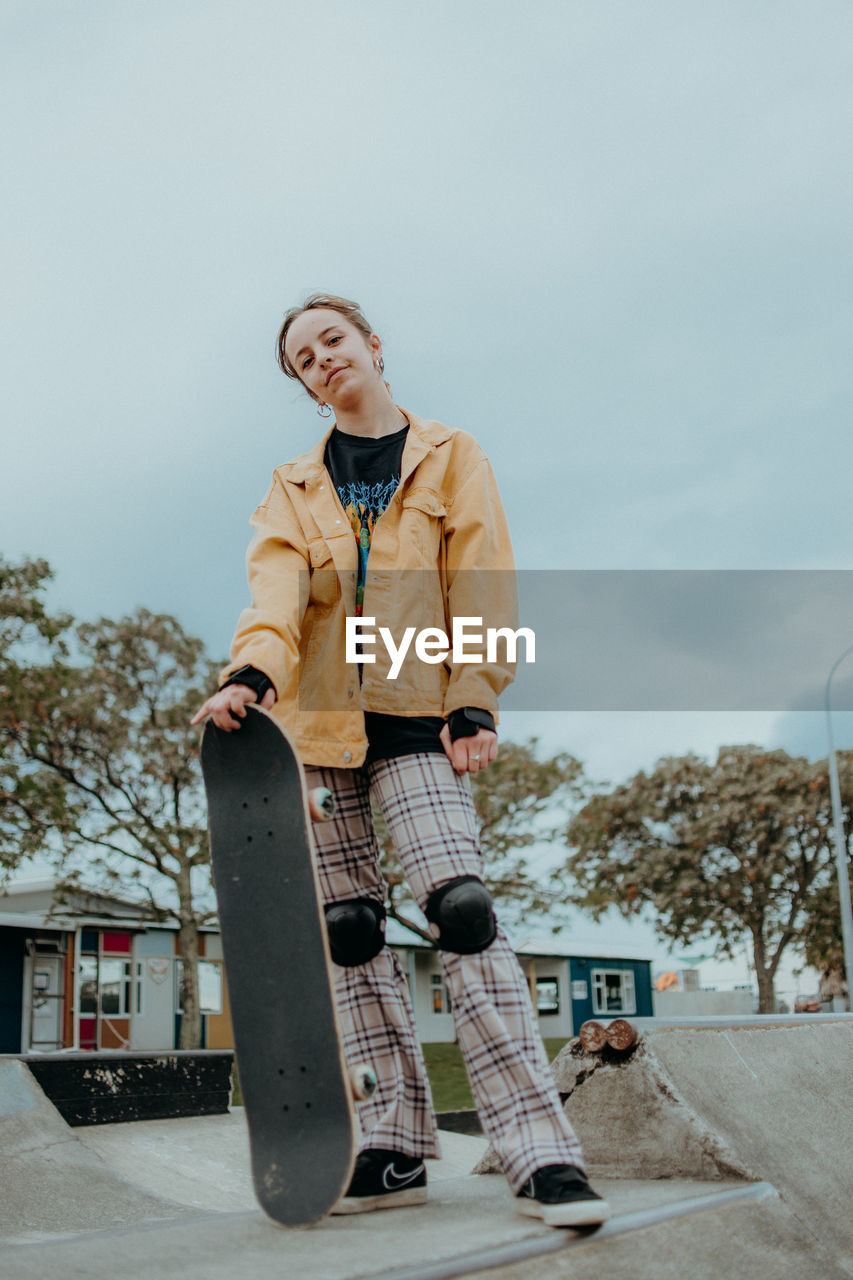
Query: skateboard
<point x="297" y="1090"/>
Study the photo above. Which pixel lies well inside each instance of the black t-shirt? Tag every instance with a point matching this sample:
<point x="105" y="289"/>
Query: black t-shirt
<point x="366" y="473"/>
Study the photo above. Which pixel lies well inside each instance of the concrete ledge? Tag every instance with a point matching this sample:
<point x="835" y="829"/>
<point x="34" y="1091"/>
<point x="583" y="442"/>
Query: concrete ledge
<point x="51" y="1182"/>
<point x="107" y="1088"/>
<point x="467" y="1122"/>
<point x="757" y="1099"/>
<point x="525" y="1251"/>
<point x="469" y="1227"/>
<point x="756" y="1021"/>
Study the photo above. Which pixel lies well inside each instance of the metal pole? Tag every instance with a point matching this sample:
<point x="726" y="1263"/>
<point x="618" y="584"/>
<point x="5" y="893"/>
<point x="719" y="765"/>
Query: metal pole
<point x="840" y="843"/>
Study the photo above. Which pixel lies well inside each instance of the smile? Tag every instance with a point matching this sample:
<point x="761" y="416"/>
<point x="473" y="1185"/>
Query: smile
<point x="333" y="373"/>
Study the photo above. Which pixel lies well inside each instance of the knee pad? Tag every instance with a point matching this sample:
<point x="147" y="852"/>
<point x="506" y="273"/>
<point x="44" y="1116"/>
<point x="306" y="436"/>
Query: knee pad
<point x="461" y="917"/>
<point x="356" y="930"/>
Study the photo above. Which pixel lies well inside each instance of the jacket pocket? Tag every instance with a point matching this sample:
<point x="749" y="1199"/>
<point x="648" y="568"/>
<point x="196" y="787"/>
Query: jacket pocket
<point x="324" y="589"/>
<point x="422" y="526"/>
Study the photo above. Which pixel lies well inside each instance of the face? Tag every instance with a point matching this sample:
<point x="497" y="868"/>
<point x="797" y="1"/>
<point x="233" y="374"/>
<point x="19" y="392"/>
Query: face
<point x="333" y="359"/>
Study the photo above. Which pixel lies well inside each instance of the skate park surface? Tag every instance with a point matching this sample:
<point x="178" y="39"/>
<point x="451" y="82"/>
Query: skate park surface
<point x="724" y="1146"/>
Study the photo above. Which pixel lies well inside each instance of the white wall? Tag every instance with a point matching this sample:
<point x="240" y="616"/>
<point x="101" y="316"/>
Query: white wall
<point x="432" y="1028"/>
<point x="707" y="1004"/>
<point x="559" y="1025"/>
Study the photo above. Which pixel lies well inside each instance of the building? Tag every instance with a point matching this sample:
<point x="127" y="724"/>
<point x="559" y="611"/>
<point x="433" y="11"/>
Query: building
<point x="566" y="988"/>
<point x="680" y="994"/>
<point x="94" y="971"/>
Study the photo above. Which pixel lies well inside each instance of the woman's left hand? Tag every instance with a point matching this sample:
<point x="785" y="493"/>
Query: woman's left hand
<point x="469" y="755"/>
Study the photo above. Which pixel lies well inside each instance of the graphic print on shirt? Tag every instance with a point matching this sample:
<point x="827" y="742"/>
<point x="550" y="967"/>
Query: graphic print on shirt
<point x="364" y="503"/>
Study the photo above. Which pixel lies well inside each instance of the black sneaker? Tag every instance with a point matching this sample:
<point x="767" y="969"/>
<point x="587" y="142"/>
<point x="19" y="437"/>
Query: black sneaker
<point x="560" y="1195"/>
<point x="384" y="1180"/>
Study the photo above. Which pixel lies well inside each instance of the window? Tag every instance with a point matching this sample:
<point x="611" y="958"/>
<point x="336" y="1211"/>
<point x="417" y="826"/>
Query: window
<point x="547" y="997"/>
<point x="109" y="986"/>
<point x="115" y="988"/>
<point x="440" y="994"/>
<point x="89" y="984"/>
<point x="613" y="991"/>
<point x="209" y="985"/>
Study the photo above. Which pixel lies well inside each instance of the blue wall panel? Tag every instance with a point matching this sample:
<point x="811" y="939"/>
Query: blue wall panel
<point x="12" y="952"/>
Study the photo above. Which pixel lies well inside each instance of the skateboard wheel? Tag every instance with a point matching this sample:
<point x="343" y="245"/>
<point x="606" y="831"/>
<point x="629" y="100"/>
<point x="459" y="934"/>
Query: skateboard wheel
<point x="321" y="804"/>
<point x="621" y="1035"/>
<point x="362" y="1081"/>
<point x="593" y="1037"/>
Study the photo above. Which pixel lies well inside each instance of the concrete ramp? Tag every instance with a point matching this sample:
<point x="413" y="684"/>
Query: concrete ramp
<point x="725" y="1150"/>
<point x="52" y="1183"/>
<point x="735" y="1098"/>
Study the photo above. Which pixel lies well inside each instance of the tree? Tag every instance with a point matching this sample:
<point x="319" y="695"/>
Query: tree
<point x="728" y="850"/>
<point x="30" y="807"/>
<point x="98" y="765"/>
<point x="520" y="801"/>
<point x="23" y="616"/>
<point x="823" y="943"/>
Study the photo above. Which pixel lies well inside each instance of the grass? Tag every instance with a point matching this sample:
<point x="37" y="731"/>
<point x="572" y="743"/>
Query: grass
<point x="448" y="1079"/>
<point x="447" y="1076"/>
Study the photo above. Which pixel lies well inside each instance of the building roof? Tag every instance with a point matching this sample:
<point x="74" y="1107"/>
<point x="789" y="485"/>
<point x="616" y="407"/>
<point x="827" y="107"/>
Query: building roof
<point x="582" y="950"/>
<point x="94" y="907"/>
<point x="398" y="935"/>
<point x="21" y="884"/>
<point x="63" y="923"/>
<point x="81" y="907"/>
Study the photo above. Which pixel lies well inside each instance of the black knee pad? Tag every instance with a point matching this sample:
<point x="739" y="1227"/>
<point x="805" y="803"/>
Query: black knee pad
<point x="461" y="917"/>
<point x="356" y="930"/>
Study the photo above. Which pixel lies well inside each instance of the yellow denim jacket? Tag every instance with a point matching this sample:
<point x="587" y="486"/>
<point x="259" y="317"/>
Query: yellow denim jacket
<point x="440" y="550"/>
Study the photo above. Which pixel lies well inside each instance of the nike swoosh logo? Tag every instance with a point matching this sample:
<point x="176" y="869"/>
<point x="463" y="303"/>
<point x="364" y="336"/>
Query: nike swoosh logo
<point x="393" y="1181"/>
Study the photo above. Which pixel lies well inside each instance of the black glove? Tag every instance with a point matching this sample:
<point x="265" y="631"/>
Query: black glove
<point x="464" y="722"/>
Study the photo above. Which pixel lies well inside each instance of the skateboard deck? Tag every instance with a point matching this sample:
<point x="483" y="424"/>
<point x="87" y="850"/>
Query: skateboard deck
<point x="296" y="1089"/>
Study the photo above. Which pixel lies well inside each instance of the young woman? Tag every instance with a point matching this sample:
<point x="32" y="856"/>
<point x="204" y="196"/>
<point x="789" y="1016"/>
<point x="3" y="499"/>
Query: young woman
<point x="398" y="520"/>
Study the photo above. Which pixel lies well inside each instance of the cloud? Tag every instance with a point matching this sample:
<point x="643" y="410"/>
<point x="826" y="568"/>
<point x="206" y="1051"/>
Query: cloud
<point x="611" y="243"/>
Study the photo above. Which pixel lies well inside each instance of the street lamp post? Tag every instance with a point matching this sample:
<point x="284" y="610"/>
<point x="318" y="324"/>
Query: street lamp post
<point x="840" y="845"/>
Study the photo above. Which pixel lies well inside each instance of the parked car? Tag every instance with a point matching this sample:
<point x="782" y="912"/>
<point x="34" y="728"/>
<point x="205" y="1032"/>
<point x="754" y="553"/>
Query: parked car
<point x="807" y="1004"/>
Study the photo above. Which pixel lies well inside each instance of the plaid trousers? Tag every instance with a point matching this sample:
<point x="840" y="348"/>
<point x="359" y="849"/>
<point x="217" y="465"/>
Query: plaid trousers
<point x="430" y="814"/>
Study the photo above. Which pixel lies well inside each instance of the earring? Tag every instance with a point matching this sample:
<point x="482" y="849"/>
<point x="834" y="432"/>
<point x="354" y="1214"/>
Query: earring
<point x="379" y="365"/>
<point x="324" y="410"/>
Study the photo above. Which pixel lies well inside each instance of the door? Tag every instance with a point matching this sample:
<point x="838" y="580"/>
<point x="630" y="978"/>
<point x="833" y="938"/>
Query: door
<point x="46" y="1002"/>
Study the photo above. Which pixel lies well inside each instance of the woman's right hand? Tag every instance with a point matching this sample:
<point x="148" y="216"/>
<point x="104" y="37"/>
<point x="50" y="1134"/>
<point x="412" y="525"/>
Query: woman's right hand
<point x="227" y="708"/>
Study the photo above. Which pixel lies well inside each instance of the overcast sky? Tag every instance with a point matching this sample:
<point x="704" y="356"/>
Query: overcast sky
<point x="611" y="240"/>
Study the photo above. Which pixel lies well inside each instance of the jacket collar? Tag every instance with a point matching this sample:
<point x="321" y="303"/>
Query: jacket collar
<point x="308" y="466"/>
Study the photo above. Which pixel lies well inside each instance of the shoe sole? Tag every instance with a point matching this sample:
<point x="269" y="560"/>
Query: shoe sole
<point x="390" y="1200"/>
<point x="576" y="1213"/>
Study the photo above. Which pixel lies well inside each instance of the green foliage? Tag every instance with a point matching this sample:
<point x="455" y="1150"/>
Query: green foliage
<point x="520" y="800"/>
<point x="823" y="944"/>
<point x="97" y="752"/>
<point x="23" y="616"/>
<point x="725" y="850"/>
<point x="98" y="763"/>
